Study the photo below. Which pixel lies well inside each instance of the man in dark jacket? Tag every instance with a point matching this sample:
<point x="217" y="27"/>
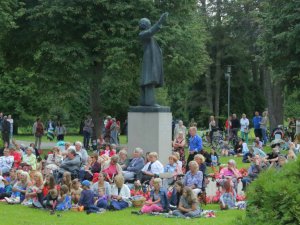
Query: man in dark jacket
<point x="5" y="131"/>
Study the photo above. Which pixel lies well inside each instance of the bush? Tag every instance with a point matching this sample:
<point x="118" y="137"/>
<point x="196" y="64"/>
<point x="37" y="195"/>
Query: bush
<point x="274" y="198"/>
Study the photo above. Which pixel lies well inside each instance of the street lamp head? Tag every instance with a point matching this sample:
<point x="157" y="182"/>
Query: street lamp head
<point x="227" y="76"/>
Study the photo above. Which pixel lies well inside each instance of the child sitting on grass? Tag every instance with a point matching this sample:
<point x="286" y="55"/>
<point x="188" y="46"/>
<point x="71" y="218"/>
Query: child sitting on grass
<point x="188" y="205"/>
<point x="75" y="191"/>
<point x="228" y="198"/>
<point x="64" y="199"/>
<point x="102" y="200"/>
<point x="87" y="198"/>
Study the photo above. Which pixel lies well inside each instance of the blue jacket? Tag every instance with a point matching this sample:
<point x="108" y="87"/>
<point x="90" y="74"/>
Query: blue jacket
<point x="163" y="197"/>
<point x="195" y="143"/>
<point x="256" y="122"/>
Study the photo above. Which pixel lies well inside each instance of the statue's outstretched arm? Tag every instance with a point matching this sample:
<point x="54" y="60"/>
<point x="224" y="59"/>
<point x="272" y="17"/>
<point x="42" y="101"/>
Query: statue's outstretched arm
<point x="152" y="30"/>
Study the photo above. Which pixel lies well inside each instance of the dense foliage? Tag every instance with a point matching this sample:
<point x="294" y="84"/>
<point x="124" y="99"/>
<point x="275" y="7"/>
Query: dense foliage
<point x="68" y="58"/>
<point x="274" y="197"/>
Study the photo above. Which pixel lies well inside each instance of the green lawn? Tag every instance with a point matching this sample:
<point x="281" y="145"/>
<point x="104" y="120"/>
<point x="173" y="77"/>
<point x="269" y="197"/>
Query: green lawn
<point x="22" y="215"/>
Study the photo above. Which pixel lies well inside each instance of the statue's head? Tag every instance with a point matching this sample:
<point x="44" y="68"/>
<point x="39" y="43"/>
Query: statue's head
<point x="144" y="24"/>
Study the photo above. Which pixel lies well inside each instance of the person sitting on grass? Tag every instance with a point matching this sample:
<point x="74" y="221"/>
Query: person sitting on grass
<point x="230" y="172"/>
<point x="50" y="192"/>
<point x="152" y="168"/>
<point x="102" y="199"/>
<point x="228" y="197"/>
<point x="135" y="165"/>
<point x="19" y="189"/>
<point x="67" y="180"/>
<point x="6" y="162"/>
<point x="34" y="192"/>
<point x="93" y="166"/>
<point x="29" y="160"/>
<point x="120" y="194"/>
<point x="87" y="198"/>
<point x="112" y="168"/>
<point x="107" y="151"/>
<point x="194" y="178"/>
<point x="158" y="201"/>
<point x="173" y="169"/>
<point x="101" y="183"/>
<point x="64" y="199"/>
<point x="188" y="205"/>
<point x="75" y="191"/>
<point x="137" y="190"/>
<point x="176" y="195"/>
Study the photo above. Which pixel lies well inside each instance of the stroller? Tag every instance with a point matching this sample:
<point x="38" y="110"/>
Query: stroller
<point x="278" y="133"/>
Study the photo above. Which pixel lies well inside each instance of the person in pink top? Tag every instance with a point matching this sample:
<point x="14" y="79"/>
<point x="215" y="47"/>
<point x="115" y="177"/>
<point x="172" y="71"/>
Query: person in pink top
<point x="230" y="172"/>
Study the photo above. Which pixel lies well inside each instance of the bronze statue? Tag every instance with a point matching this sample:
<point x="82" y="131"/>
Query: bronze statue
<point x="152" y="70"/>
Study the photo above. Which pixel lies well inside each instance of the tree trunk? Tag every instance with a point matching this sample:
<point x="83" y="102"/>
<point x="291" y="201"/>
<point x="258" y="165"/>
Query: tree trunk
<point x="95" y="102"/>
<point x="209" y="96"/>
<point x="218" y="63"/>
<point x="274" y="95"/>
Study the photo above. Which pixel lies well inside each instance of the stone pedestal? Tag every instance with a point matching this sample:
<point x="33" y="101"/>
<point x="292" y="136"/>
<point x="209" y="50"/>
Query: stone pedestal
<point x="150" y="128"/>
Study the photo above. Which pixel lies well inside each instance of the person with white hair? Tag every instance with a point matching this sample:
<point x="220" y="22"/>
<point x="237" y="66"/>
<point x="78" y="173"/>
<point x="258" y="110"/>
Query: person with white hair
<point x="152" y="168"/>
<point x="71" y="164"/>
<point x="194" y="178"/>
<point x="29" y="159"/>
<point x="180" y="128"/>
<point x="82" y="153"/>
<point x="135" y="165"/>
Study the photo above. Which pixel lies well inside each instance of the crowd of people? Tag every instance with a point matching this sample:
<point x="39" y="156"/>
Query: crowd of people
<point x="70" y="177"/>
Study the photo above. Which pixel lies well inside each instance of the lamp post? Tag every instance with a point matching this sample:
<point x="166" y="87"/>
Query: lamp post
<point x="228" y="78"/>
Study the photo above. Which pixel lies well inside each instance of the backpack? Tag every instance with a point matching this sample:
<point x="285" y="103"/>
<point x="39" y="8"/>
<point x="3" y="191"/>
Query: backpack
<point x="39" y="129"/>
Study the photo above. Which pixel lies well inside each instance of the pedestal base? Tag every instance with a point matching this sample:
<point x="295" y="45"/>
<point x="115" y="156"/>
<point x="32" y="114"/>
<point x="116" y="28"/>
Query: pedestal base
<point x="151" y="131"/>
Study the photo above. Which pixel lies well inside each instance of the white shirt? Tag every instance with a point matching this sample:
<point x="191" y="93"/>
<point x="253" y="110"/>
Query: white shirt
<point x="6" y="161"/>
<point x="245" y="148"/>
<point x="244" y="124"/>
<point x="156" y="167"/>
<point x="124" y="193"/>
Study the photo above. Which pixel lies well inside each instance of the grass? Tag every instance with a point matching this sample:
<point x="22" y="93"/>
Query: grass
<point x="22" y="215"/>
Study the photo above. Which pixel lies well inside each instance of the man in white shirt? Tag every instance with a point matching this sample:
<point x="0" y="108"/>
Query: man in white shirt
<point x="152" y="168"/>
<point x="244" y="127"/>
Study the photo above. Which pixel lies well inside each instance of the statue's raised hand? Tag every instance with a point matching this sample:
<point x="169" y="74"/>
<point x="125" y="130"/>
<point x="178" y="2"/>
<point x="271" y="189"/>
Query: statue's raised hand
<point x="164" y="17"/>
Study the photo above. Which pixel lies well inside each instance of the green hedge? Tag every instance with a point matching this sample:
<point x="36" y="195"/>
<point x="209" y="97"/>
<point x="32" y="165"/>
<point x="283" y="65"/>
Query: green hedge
<point x="274" y="198"/>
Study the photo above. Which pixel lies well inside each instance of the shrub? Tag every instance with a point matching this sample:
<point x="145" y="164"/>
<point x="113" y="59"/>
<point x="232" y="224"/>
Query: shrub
<point x="274" y="198"/>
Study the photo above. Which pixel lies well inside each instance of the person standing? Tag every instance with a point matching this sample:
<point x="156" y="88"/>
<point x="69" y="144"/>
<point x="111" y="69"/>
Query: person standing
<point x="87" y="131"/>
<point x="38" y="131"/>
<point x="212" y="127"/>
<point x="235" y="125"/>
<point x="50" y="129"/>
<point x="11" y="130"/>
<point x="114" y="132"/>
<point x="244" y="127"/>
<point x="256" y="124"/>
<point x="1" y="120"/>
<point x="228" y="125"/>
<point x="195" y="144"/>
<point x="5" y="131"/>
<point x="60" y="131"/>
<point x="179" y="128"/>
<point x="263" y="127"/>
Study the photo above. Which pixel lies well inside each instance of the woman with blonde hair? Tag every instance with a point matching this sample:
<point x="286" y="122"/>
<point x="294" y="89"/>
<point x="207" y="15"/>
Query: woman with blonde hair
<point x="188" y="205"/>
<point x="35" y="192"/>
<point x="158" y="198"/>
<point x="120" y="194"/>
